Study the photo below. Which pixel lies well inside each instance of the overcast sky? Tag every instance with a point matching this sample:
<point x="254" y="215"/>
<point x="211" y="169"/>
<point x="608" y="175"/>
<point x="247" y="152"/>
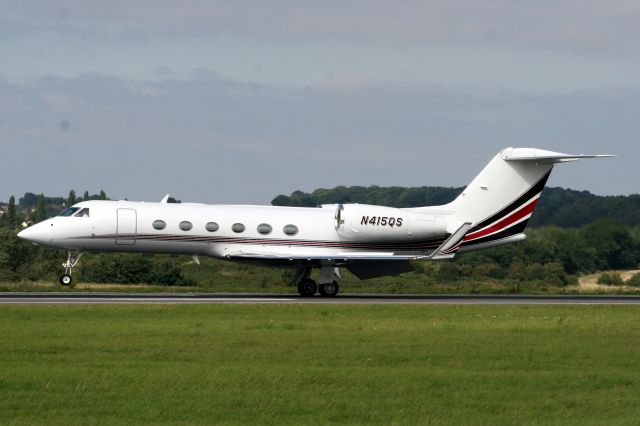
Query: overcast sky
<point x="239" y="101"/>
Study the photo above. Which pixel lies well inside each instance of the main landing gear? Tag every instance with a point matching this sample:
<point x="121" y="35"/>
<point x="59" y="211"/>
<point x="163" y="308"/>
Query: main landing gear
<point x="327" y="287"/>
<point x="329" y="290"/>
<point x="65" y="279"/>
<point x="308" y="287"/>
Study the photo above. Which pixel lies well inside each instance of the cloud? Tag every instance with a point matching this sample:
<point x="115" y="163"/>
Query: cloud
<point x="133" y="36"/>
<point x="163" y="71"/>
<point x="220" y="140"/>
<point x="611" y="26"/>
<point x="344" y="81"/>
<point x="536" y="47"/>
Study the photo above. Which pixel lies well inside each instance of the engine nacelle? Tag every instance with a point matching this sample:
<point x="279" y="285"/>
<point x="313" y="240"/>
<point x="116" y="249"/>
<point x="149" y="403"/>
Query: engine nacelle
<point x="362" y="222"/>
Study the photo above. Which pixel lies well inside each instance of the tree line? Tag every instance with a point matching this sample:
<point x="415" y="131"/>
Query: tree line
<point x="550" y="256"/>
<point x="22" y="261"/>
<point x="558" y="206"/>
<point x="33" y="208"/>
<point x="554" y="254"/>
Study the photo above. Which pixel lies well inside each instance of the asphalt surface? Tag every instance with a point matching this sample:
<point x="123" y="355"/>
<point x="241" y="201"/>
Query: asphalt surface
<point x="258" y="298"/>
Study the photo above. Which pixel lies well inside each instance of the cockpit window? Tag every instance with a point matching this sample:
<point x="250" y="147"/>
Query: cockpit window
<point x="82" y="213"/>
<point x="70" y="211"/>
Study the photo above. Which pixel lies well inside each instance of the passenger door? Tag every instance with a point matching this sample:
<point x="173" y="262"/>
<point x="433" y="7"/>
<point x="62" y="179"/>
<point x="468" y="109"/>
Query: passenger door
<point x="127" y="227"/>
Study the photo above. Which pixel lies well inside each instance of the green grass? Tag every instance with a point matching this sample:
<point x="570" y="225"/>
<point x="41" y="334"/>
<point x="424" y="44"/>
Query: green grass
<point x="318" y="364"/>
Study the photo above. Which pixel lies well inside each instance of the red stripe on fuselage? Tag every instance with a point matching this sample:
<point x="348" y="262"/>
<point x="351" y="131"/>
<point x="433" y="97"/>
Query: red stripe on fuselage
<point x="509" y="220"/>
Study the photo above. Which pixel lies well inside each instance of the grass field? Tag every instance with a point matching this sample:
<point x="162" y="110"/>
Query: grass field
<point x="308" y="364"/>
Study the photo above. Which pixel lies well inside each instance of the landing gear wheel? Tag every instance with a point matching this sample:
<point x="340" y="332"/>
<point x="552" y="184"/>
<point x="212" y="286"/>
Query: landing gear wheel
<point x="329" y="290"/>
<point x="307" y="287"/>
<point x="65" y="279"/>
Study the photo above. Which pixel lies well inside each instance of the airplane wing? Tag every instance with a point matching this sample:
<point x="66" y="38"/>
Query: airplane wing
<point x="446" y="250"/>
<point x="362" y="264"/>
<point x="367" y="270"/>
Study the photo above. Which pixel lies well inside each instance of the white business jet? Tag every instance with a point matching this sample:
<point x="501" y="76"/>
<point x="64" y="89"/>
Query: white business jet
<point x="370" y="241"/>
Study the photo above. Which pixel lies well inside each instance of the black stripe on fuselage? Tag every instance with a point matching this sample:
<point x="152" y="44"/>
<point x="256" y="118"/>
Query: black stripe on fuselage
<point x="417" y="245"/>
<point x="531" y="192"/>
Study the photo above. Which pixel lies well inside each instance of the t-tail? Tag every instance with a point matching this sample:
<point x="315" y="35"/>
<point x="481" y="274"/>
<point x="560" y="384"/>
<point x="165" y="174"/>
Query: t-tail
<point x="495" y="207"/>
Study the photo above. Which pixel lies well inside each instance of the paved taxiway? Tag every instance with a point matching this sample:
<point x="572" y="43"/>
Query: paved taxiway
<point x="200" y="298"/>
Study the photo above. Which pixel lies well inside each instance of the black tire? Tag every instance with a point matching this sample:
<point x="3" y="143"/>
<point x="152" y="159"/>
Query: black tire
<point x="329" y="290"/>
<point x="307" y="288"/>
<point x="66" y="280"/>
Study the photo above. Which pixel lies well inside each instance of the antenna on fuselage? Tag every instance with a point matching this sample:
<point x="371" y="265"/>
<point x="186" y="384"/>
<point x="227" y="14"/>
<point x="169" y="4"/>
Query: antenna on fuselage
<point x="165" y="200"/>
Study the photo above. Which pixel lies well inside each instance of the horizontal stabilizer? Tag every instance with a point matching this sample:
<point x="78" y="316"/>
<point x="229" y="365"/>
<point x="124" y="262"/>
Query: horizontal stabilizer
<point x="543" y="156"/>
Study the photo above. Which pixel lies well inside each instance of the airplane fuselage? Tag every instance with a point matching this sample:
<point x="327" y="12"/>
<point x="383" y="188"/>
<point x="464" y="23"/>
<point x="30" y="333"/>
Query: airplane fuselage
<point x="369" y="240"/>
<point x="225" y="231"/>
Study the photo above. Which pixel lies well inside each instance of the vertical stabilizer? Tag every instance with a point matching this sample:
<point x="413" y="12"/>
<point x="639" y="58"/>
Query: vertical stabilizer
<point x="500" y="201"/>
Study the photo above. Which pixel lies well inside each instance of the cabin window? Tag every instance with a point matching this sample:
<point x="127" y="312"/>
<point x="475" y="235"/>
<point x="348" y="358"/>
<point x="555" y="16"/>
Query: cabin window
<point x="290" y="230"/>
<point x="159" y="224"/>
<point x="185" y="225"/>
<point x="237" y="228"/>
<point x="69" y="212"/>
<point x="211" y="227"/>
<point x="264" y="228"/>
<point x="82" y="213"/>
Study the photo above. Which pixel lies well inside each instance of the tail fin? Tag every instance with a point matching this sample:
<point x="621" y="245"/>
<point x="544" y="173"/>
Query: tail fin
<point x="501" y="199"/>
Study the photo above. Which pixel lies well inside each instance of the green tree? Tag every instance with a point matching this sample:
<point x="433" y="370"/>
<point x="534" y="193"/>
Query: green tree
<point x="103" y="195"/>
<point x="449" y="271"/>
<point x="553" y="273"/>
<point x="610" y="278"/>
<point x="29" y="201"/>
<point x="41" y="212"/>
<point x="86" y="197"/>
<point x="72" y="198"/>
<point x="634" y="280"/>
<point x="11" y="213"/>
<point x="613" y="243"/>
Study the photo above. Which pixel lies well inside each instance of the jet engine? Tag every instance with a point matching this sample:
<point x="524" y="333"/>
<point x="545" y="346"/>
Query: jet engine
<point x="362" y="222"/>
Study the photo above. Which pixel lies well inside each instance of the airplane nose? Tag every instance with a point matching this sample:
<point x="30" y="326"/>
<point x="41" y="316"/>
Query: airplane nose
<point x="36" y="234"/>
<point x="24" y="234"/>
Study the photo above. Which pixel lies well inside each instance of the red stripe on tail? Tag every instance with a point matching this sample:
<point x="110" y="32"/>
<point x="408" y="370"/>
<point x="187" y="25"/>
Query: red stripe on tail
<point x="509" y="220"/>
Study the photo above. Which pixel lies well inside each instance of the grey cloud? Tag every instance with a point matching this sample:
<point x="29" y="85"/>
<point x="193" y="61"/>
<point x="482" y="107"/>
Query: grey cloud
<point x="219" y="140"/>
<point x="163" y="71"/>
<point x="133" y="36"/>
<point x="591" y="24"/>
<point x="12" y="27"/>
<point x="205" y="73"/>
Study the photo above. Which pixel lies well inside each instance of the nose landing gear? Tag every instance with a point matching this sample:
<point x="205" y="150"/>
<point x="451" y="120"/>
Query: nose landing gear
<point x="65" y="279"/>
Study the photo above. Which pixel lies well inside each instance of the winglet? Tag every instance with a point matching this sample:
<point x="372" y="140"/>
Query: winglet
<point x="165" y="199"/>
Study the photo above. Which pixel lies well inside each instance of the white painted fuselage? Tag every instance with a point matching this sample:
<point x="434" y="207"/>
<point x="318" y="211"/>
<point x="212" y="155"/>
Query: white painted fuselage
<point x="369" y="240"/>
<point x="239" y="231"/>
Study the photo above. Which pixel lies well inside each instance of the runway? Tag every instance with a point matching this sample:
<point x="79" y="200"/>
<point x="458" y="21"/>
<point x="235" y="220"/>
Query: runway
<point x="261" y="298"/>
